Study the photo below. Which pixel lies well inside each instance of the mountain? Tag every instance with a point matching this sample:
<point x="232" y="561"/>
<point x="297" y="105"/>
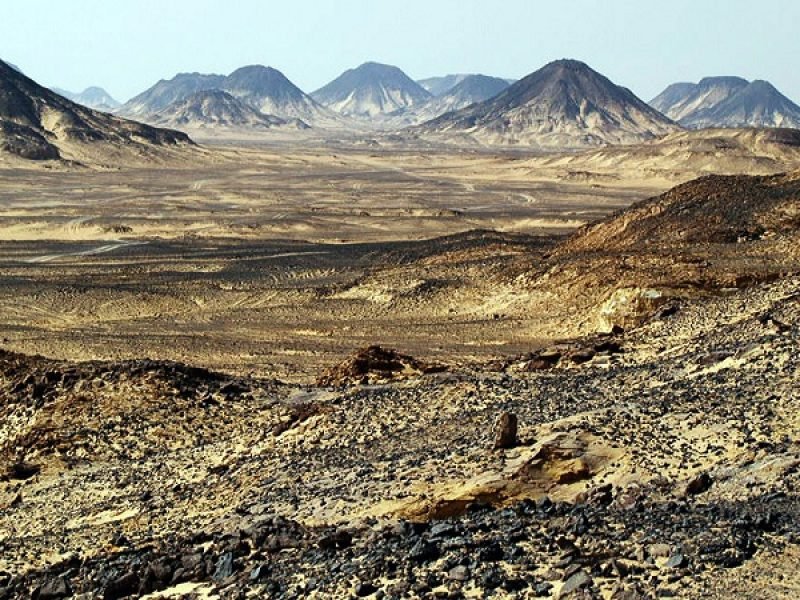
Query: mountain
<point x="441" y="85"/>
<point x="371" y="90"/>
<point x="215" y="109"/>
<point x="264" y="89"/>
<point x="471" y="89"/>
<point x="270" y="92"/>
<point x="566" y="104"/>
<point x="93" y="97"/>
<point x="38" y="124"/>
<point x="727" y="102"/>
<point x="165" y="92"/>
<point x="680" y="100"/>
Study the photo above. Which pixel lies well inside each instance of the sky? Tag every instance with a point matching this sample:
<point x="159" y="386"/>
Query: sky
<point x="126" y="46"/>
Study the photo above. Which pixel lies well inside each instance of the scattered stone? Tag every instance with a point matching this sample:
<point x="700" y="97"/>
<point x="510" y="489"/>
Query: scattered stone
<point x="506" y="432"/>
<point x="676" y="561"/>
<point x="700" y="484"/>
<point x="55" y="588"/>
<point x="459" y="573"/>
<point x="365" y="589"/>
<point x="578" y="581"/>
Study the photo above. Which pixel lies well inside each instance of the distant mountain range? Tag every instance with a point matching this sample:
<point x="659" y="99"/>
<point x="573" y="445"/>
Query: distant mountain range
<point x="93" y="97"/>
<point x="727" y="102"/>
<point x="566" y="104"/>
<point x="38" y="124"/>
<point x="371" y="90"/>
<point x="264" y="89"/>
<point x="215" y="109"/>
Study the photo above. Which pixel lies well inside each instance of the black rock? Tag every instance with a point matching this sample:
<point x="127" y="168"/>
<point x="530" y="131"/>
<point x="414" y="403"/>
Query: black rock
<point x="55" y="588"/>
<point x="424" y="552"/>
<point x="339" y="539"/>
<point x="126" y="585"/>
<point x="365" y="589"/>
<point x="698" y="485"/>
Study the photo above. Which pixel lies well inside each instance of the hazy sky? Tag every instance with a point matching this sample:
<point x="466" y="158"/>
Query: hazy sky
<point x="127" y="45"/>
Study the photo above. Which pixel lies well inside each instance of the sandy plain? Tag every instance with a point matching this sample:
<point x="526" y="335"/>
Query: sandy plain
<point x="251" y="258"/>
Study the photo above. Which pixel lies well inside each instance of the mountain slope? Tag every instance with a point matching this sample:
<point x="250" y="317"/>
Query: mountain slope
<point x="38" y="124"/>
<point x="92" y="97"/>
<point x="715" y="209"/>
<point x="471" y="89"/>
<point x="215" y="109"/>
<point x="165" y="92"/>
<point x="371" y="90"/>
<point x="441" y="85"/>
<point x="681" y="100"/>
<point x="727" y="102"/>
<point x="565" y="104"/>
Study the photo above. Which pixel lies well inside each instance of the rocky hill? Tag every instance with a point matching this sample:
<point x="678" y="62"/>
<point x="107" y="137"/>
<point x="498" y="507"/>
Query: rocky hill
<point x="371" y="90"/>
<point x="727" y="102"/>
<point x="218" y="110"/>
<point x="711" y="210"/>
<point x="38" y="124"/>
<point x="565" y="104"/>
<point x="440" y="85"/>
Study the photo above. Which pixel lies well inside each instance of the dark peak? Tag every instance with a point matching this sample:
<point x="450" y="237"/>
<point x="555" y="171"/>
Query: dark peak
<point x="762" y="86"/>
<point x="256" y="70"/>
<point x="569" y="64"/>
<point x="377" y="68"/>
<point x="723" y="80"/>
<point x="257" y="77"/>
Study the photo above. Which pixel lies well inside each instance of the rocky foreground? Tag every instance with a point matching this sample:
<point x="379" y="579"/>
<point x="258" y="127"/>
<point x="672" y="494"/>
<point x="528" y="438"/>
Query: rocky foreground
<point x="664" y="464"/>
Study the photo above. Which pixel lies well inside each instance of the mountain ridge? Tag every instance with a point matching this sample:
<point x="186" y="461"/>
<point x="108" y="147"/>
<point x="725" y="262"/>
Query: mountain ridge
<point x="564" y="104"/>
<point x="727" y="102"/>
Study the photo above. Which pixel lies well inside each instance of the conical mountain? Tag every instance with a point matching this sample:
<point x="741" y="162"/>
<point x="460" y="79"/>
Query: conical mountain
<point x="566" y="104"/>
<point x="729" y="102"/>
<point x="371" y="90"/>
<point x="270" y="92"/>
<point x="38" y="124"/>
<point x="681" y="100"/>
<point x="216" y="110"/>
<point x="93" y="97"/>
<point x="471" y="89"/>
